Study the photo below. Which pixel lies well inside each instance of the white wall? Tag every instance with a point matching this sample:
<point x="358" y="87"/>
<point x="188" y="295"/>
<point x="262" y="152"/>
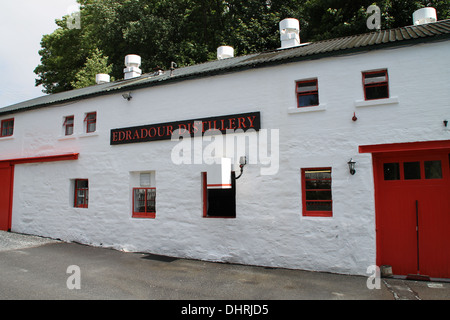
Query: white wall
<point x="269" y="228"/>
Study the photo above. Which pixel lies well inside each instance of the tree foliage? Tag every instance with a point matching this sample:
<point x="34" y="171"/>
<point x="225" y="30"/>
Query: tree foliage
<point x="189" y="32"/>
<point x="95" y="63"/>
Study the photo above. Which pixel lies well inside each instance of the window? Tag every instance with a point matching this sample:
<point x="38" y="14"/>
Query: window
<point x="376" y="85"/>
<point x="412" y="170"/>
<point x="81" y="193"/>
<point x="391" y="171"/>
<point x="68" y="125"/>
<point x="219" y="203"/>
<point x="433" y="169"/>
<point x="316" y="192"/>
<point x="90" y="122"/>
<point x="307" y="93"/>
<point x="144" y="196"/>
<point x="7" y="128"/>
<point x="144" y="202"/>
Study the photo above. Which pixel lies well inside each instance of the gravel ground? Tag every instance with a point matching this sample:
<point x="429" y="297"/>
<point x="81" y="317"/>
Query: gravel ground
<point x="14" y="241"/>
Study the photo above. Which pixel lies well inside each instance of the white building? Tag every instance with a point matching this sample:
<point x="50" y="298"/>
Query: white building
<point x="98" y="166"/>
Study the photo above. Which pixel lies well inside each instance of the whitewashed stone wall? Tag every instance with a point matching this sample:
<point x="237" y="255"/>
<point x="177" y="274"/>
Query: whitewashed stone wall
<point x="269" y="229"/>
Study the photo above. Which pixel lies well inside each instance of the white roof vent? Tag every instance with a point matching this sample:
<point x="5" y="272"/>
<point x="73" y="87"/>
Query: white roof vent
<point x="132" y="64"/>
<point x="102" y="78"/>
<point x="225" y="52"/>
<point x="289" y="33"/>
<point x="424" y="16"/>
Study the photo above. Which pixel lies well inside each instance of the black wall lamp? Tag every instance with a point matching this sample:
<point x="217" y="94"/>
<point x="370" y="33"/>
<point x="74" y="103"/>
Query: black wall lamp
<point x="242" y="163"/>
<point x="351" y="166"/>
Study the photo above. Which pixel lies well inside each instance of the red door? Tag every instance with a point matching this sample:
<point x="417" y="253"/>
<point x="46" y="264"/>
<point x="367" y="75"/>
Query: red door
<point x="6" y="178"/>
<point x="413" y="212"/>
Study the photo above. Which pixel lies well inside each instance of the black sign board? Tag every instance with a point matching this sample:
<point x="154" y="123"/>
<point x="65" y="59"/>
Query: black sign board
<point x="195" y="127"/>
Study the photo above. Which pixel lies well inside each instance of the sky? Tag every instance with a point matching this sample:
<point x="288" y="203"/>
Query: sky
<point x="22" y="25"/>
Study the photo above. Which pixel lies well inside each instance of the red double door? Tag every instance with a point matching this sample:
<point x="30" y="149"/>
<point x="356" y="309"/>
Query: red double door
<point x="413" y="212"/>
<point x="6" y="183"/>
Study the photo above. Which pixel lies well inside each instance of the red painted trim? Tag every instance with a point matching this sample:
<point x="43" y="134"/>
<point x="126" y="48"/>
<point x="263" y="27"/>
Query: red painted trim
<point x="3" y="126"/>
<point x="90" y="121"/>
<point x="305" y="93"/>
<point x="13" y="162"/>
<point x="85" y="199"/>
<point x="11" y="198"/>
<point x="407" y="146"/>
<point x="146" y="214"/>
<point x="60" y="157"/>
<point x="204" y="195"/>
<point x="376" y="84"/>
<point x="305" y="212"/>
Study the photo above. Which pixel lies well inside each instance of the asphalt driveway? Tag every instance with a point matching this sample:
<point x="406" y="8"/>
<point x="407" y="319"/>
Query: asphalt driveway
<point x="38" y="268"/>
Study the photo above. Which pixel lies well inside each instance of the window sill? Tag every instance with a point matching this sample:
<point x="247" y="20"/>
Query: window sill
<point x="61" y="138"/>
<point x="377" y="102"/>
<point x="320" y="107"/>
<point x="6" y="138"/>
<point x="140" y="215"/>
<point x="85" y="135"/>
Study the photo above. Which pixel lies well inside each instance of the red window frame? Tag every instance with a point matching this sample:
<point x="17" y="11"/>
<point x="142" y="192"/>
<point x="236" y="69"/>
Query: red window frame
<point x="68" y="123"/>
<point x="309" y="92"/>
<point x="375" y="84"/>
<point x="7" y="128"/>
<point x="148" y="212"/>
<point x="81" y="193"/>
<point x="311" y="213"/>
<point x="91" y="119"/>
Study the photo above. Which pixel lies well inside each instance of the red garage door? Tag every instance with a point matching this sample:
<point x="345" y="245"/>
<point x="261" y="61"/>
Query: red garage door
<point x="413" y="212"/>
<point x="6" y="178"/>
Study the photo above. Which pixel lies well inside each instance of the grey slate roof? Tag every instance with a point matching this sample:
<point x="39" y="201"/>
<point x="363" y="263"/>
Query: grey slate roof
<point x="437" y="31"/>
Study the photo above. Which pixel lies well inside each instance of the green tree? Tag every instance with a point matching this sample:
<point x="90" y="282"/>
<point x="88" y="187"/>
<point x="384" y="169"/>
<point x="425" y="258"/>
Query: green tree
<point x="61" y="57"/>
<point x="95" y="63"/>
<point x="189" y="32"/>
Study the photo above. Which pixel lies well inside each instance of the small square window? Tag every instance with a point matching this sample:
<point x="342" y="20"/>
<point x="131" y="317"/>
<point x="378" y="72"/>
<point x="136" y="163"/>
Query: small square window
<point x="68" y="125"/>
<point x="411" y="170"/>
<point x="307" y="93"/>
<point x="316" y="192"/>
<point x="91" y="122"/>
<point x="7" y="128"/>
<point x="433" y="169"/>
<point x="376" y="85"/>
<point x="81" y="193"/>
<point x="145" y="179"/>
<point x="391" y="171"/>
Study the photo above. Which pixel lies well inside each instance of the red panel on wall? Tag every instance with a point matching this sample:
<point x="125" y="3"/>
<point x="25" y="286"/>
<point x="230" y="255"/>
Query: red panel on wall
<point x="6" y="178"/>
